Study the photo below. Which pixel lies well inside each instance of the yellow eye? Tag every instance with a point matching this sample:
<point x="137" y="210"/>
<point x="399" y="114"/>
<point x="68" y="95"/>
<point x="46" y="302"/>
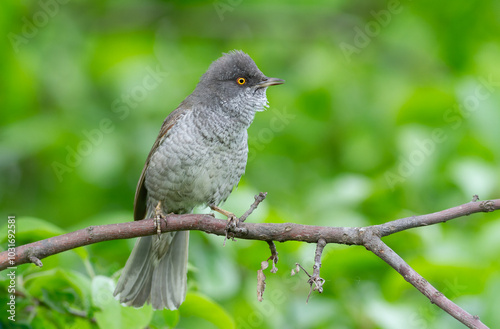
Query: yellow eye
<point x="241" y="81"/>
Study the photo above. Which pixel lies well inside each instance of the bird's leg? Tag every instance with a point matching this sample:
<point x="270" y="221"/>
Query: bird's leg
<point x="158" y="217"/>
<point x="226" y="213"/>
<point x="232" y="220"/>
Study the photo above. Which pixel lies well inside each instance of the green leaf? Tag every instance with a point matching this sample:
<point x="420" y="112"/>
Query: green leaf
<point x="32" y="229"/>
<point x="60" y="287"/>
<point x="46" y="318"/>
<point x="113" y="315"/>
<point x="165" y="319"/>
<point x="205" y="308"/>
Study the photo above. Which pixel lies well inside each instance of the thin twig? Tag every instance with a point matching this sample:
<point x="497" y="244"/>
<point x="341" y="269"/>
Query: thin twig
<point x="258" y="199"/>
<point x="261" y="278"/>
<point x="35" y="260"/>
<point x="315" y="281"/>
<point x="273" y="257"/>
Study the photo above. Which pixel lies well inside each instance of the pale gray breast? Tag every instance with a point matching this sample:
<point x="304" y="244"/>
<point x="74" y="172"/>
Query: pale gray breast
<point x="190" y="169"/>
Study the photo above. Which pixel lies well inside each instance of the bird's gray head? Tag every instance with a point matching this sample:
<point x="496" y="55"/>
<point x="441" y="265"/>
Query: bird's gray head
<point x="235" y="84"/>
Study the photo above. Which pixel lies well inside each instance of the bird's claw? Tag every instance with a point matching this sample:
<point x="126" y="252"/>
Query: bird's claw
<point x="232" y="222"/>
<point x="158" y="225"/>
<point x="158" y="218"/>
<point x="232" y="225"/>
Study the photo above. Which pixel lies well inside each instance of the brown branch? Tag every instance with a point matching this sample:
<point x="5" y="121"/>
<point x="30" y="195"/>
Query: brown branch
<point x="379" y="248"/>
<point x="366" y="236"/>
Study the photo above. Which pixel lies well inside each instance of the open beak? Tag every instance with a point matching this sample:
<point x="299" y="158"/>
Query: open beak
<point x="270" y="82"/>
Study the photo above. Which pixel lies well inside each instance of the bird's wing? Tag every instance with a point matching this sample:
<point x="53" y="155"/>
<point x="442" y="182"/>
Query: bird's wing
<point x="141" y="192"/>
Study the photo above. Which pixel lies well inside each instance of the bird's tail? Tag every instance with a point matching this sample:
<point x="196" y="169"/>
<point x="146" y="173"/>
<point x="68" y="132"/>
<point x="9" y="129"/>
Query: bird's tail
<point x="156" y="272"/>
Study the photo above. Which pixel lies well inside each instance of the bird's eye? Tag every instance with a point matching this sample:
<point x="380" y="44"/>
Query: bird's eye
<point x="241" y="81"/>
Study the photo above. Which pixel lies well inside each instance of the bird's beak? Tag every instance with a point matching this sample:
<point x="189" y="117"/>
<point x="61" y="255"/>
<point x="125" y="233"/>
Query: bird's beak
<point x="269" y="82"/>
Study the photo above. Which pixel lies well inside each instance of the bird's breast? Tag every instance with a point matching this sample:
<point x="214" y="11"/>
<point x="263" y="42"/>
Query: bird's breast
<point x="190" y="168"/>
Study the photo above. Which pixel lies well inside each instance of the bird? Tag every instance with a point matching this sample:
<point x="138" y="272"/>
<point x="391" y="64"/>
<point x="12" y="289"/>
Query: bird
<point x="197" y="159"/>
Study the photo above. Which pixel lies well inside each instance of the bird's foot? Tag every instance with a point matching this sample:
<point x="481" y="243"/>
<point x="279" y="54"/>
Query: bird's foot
<point x="232" y="222"/>
<point x="158" y="218"/>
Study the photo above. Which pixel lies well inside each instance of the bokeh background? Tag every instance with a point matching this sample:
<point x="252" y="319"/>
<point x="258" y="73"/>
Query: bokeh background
<point x="390" y="109"/>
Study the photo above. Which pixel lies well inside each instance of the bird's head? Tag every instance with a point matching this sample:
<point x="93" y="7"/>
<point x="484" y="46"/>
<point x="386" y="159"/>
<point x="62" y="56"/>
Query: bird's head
<point x="235" y="83"/>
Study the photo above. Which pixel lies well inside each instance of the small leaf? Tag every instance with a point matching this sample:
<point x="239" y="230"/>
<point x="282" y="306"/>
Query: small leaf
<point x="261" y="285"/>
<point x="202" y="307"/>
<point x="60" y="286"/>
<point x="264" y="265"/>
<point x="113" y="315"/>
<point x="165" y="319"/>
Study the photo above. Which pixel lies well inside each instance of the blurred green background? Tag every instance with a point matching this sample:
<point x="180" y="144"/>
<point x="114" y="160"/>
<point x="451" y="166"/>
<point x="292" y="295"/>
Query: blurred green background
<point x="390" y="109"/>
